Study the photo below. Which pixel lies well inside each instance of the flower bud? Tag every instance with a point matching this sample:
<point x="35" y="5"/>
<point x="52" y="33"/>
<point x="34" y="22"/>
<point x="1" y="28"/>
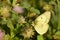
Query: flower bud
<point x="18" y="9"/>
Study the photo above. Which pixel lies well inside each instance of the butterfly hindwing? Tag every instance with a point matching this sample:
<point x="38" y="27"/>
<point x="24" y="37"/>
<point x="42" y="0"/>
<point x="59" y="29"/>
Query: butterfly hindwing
<point x="41" y="29"/>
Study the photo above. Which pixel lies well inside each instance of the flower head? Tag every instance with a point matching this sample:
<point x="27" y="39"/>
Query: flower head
<point x="18" y="9"/>
<point x="21" y="19"/>
<point x="4" y="12"/>
<point x="27" y="32"/>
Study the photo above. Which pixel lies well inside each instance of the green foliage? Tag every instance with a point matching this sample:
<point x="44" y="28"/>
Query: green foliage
<point x="20" y="26"/>
<point x="40" y="37"/>
<point x="57" y="33"/>
<point x="32" y="9"/>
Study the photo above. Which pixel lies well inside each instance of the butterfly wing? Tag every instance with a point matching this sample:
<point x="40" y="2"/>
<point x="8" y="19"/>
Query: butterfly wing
<point x="41" y="29"/>
<point x="41" y="25"/>
<point x="43" y="18"/>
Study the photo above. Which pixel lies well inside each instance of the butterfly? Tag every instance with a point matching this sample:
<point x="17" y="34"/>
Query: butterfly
<point x="41" y="23"/>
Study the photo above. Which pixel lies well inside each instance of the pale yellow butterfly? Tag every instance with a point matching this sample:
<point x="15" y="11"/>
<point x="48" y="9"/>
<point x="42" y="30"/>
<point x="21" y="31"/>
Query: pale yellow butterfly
<point x="41" y="23"/>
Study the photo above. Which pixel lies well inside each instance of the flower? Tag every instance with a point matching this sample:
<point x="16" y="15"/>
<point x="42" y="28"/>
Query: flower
<point x="1" y="34"/>
<point x="27" y="32"/>
<point x="4" y="12"/>
<point x="18" y="9"/>
<point x="21" y="19"/>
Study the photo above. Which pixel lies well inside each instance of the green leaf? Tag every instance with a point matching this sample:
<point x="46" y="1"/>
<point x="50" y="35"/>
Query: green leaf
<point x="14" y="2"/>
<point x="58" y="8"/>
<point x="35" y="10"/>
<point x="10" y="25"/>
<point x="7" y="37"/>
<point x="8" y="1"/>
<point x="14" y="16"/>
<point x="57" y="33"/>
<point x="26" y="5"/>
<point x="16" y="38"/>
<point x="40" y="37"/>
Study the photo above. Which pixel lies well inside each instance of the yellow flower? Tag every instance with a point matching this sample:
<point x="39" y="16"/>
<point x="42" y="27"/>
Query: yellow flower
<point x="27" y="32"/>
<point x="21" y="19"/>
<point x="4" y="12"/>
